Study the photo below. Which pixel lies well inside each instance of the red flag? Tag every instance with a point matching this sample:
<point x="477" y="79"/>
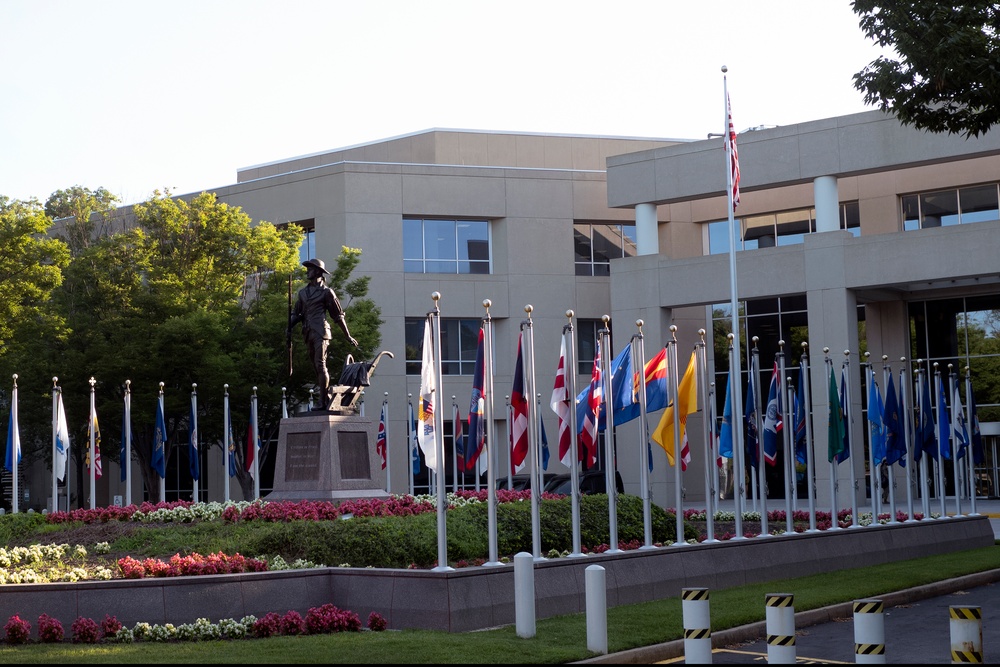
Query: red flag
<point x="380" y="441"/>
<point x="734" y="160"/>
<point x="588" y="436"/>
<point x="457" y="432"/>
<point x="519" y="415"/>
<point x="560" y="403"/>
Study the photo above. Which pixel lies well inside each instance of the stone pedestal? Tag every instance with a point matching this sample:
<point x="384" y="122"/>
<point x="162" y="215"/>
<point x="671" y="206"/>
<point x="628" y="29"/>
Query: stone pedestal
<point x="326" y="456"/>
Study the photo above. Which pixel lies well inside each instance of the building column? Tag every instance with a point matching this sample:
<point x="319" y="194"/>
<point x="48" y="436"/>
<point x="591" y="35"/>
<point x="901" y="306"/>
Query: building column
<point x="827" y="204"/>
<point x="647" y="234"/>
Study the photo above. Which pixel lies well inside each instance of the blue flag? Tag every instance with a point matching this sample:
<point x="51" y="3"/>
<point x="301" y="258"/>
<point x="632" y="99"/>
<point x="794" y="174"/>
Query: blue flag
<point x="751" y="439"/>
<point x="545" y="444"/>
<point x="958" y="429"/>
<point x="414" y="443"/>
<point x="159" y="459"/>
<point x="895" y="443"/>
<point x="846" y="452"/>
<point x="944" y="423"/>
<point x="925" y="435"/>
<point x="232" y="445"/>
<point x="799" y="412"/>
<point x="876" y="417"/>
<point x="624" y="399"/>
<point x="726" y="428"/>
<point x="194" y="464"/>
<point x="13" y="457"/>
<point x="772" y="420"/>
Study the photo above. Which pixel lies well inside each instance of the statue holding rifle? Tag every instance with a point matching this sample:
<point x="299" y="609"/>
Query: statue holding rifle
<point x="312" y="305"/>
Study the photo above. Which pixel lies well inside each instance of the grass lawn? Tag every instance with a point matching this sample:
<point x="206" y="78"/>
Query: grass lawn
<point x="557" y="640"/>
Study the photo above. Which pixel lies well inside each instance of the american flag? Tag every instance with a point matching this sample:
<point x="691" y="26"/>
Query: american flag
<point x="734" y="160"/>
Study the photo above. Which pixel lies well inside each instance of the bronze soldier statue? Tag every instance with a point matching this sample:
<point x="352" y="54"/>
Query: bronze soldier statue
<point x="314" y="301"/>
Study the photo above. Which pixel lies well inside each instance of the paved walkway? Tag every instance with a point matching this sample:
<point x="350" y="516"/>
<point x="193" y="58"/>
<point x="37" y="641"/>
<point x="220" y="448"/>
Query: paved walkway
<point x="916" y="621"/>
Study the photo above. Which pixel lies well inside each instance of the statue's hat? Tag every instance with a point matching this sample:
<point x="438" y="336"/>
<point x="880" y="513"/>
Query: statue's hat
<point x="318" y="263"/>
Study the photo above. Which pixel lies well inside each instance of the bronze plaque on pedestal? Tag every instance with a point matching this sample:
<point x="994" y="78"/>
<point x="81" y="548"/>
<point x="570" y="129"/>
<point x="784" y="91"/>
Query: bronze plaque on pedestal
<point x="302" y="457"/>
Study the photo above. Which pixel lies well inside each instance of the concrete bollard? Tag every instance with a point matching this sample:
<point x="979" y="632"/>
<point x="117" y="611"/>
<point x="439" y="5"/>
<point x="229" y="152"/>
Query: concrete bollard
<point x="697" y="626"/>
<point x="966" y="635"/>
<point x="595" y="580"/>
<point x="780" y="616"/>
<point x="869" y="632"/>
<point x="524" y="595"/>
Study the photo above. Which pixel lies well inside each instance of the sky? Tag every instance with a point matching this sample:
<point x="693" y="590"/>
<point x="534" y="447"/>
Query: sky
<point x="137" y="96"/>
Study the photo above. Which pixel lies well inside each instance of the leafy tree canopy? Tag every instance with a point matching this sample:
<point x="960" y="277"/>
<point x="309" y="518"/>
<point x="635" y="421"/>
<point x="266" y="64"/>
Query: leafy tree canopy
<point x="947" y="75"/>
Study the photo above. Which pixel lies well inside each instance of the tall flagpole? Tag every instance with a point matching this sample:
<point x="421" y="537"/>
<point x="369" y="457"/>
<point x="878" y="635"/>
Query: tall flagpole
<point x="528" y="359"/>
<point x="846" y="376"/>
<point x="227" y="441"/>
<point x="193" y="451"/>
<point x="609" y="437"/>
<point x="708" y="432"/>
<point x="678" y="491"/>
<point x="787" y="456"/>
<point x="128" y="443"/>
<point x="570" y="368"/>
<point x="492" y="450"/>
<point x="15" y="444"/>
<point x="834" y="464"/>
<point x="442" y="505"/>
<point x="93" y="458"/>
<point x="55" y="447"/>
<point x="904" y="409"/>
<point x="163" y="480"/>
<point x="758" y="424"/>
<point x="639" y="354"/>
<point x="410" y="438"/>
<point x="804" y="378"/>
<point x="255" y="444"/>
<point x="735" y="379"/>
<point x="970" y="451"/>
<point x="388" y="459"/>
<point x="737" y="393"/>
<point x="886" y="377"/>
<point x="955" y="445"/>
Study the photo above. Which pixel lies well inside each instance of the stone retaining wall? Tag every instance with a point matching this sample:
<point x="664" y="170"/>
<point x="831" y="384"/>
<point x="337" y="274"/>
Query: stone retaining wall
<point x="482" y="597"/>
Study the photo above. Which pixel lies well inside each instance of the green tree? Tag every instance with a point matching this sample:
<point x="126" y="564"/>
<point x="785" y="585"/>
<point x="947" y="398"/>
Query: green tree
<point x="946" y="77"/>
<point x="86" y="215"/>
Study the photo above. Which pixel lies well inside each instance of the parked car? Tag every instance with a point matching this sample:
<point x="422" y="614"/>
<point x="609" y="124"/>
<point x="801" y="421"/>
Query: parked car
<point x="523" y="481"/>
<point x="591" y="481"/>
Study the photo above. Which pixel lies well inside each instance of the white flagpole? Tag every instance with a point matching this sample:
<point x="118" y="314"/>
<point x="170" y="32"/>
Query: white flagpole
<point x="570" y="368"/>
<point x="955" y="405"/>
<point x="442" y="526"/>
<point x="738" y="471"/>
<point x="253" y="445"/>
<point x="939" y="381"/>
<point x="15" y="446"/>
<point x="739" y="481"/>
<point x="128" y="443"/>
<point x="388" y="459"/>
<point x="787" y="455"/>
<point x="805" y="379"/>
<point x="678" y="490"/>
<point x="834" y="465"/>
<point x="970" y="449"/>
<point x="510" y="467"/>
<point x="93" y="458"/>
<point x="454" y="444"/>
<point x="758" y="419"/>
<point x="904" y="410"/>
<point x="194" y="437"/>
<point x="227" y="441"/>
<point x="492" y="451"/>
<point x="708" y="432"/>
<point x="609" y="436"/>
<point x="846" y="366"/>
<point x="284" y="403"/>
<point x="886" y="376"/>
<point x="55" y="428"/>
<point x="639" y="356"/>
<point x="410" y="438"/>
<point x="163" y="480"/>
<point x="528" y="371"/>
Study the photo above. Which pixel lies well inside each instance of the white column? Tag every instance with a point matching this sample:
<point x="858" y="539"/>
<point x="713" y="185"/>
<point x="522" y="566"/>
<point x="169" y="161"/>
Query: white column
<point x="827" y="204"/>
<point x="647" y="236"/>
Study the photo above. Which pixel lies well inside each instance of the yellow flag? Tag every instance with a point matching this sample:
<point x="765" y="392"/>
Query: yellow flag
<point x="687" y="400"/>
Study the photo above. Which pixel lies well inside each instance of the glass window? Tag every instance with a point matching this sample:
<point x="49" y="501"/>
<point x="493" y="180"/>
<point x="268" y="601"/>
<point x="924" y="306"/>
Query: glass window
<point x="785" y="228"/>
<point x="596" y="244"/>
<point x="979" y="203"/>
<point x="850" y="218"/>
<point x="446" y="246"/>
<point x="308" y="248"/>
<point x="459" y="338"/>
<point x="586" y="345"/>
<point x="938" y="209"/>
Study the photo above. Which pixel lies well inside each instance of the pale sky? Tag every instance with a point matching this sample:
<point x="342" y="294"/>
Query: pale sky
<point x="143" y="95"/>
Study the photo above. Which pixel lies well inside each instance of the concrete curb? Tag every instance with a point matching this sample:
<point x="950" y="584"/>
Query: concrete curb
<point x="647" y="655"/>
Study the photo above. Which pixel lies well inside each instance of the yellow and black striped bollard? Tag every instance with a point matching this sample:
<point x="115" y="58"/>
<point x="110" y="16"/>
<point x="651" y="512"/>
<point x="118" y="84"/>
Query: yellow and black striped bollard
<point x="697" y="626"/>
<point x="966" y="635"/>
<point x="869" y="632"/>
<point x="780" y="616"/>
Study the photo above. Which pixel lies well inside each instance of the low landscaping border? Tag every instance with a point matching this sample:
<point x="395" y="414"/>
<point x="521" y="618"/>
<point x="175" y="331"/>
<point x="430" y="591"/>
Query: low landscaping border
<point x="475" y="598"/>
